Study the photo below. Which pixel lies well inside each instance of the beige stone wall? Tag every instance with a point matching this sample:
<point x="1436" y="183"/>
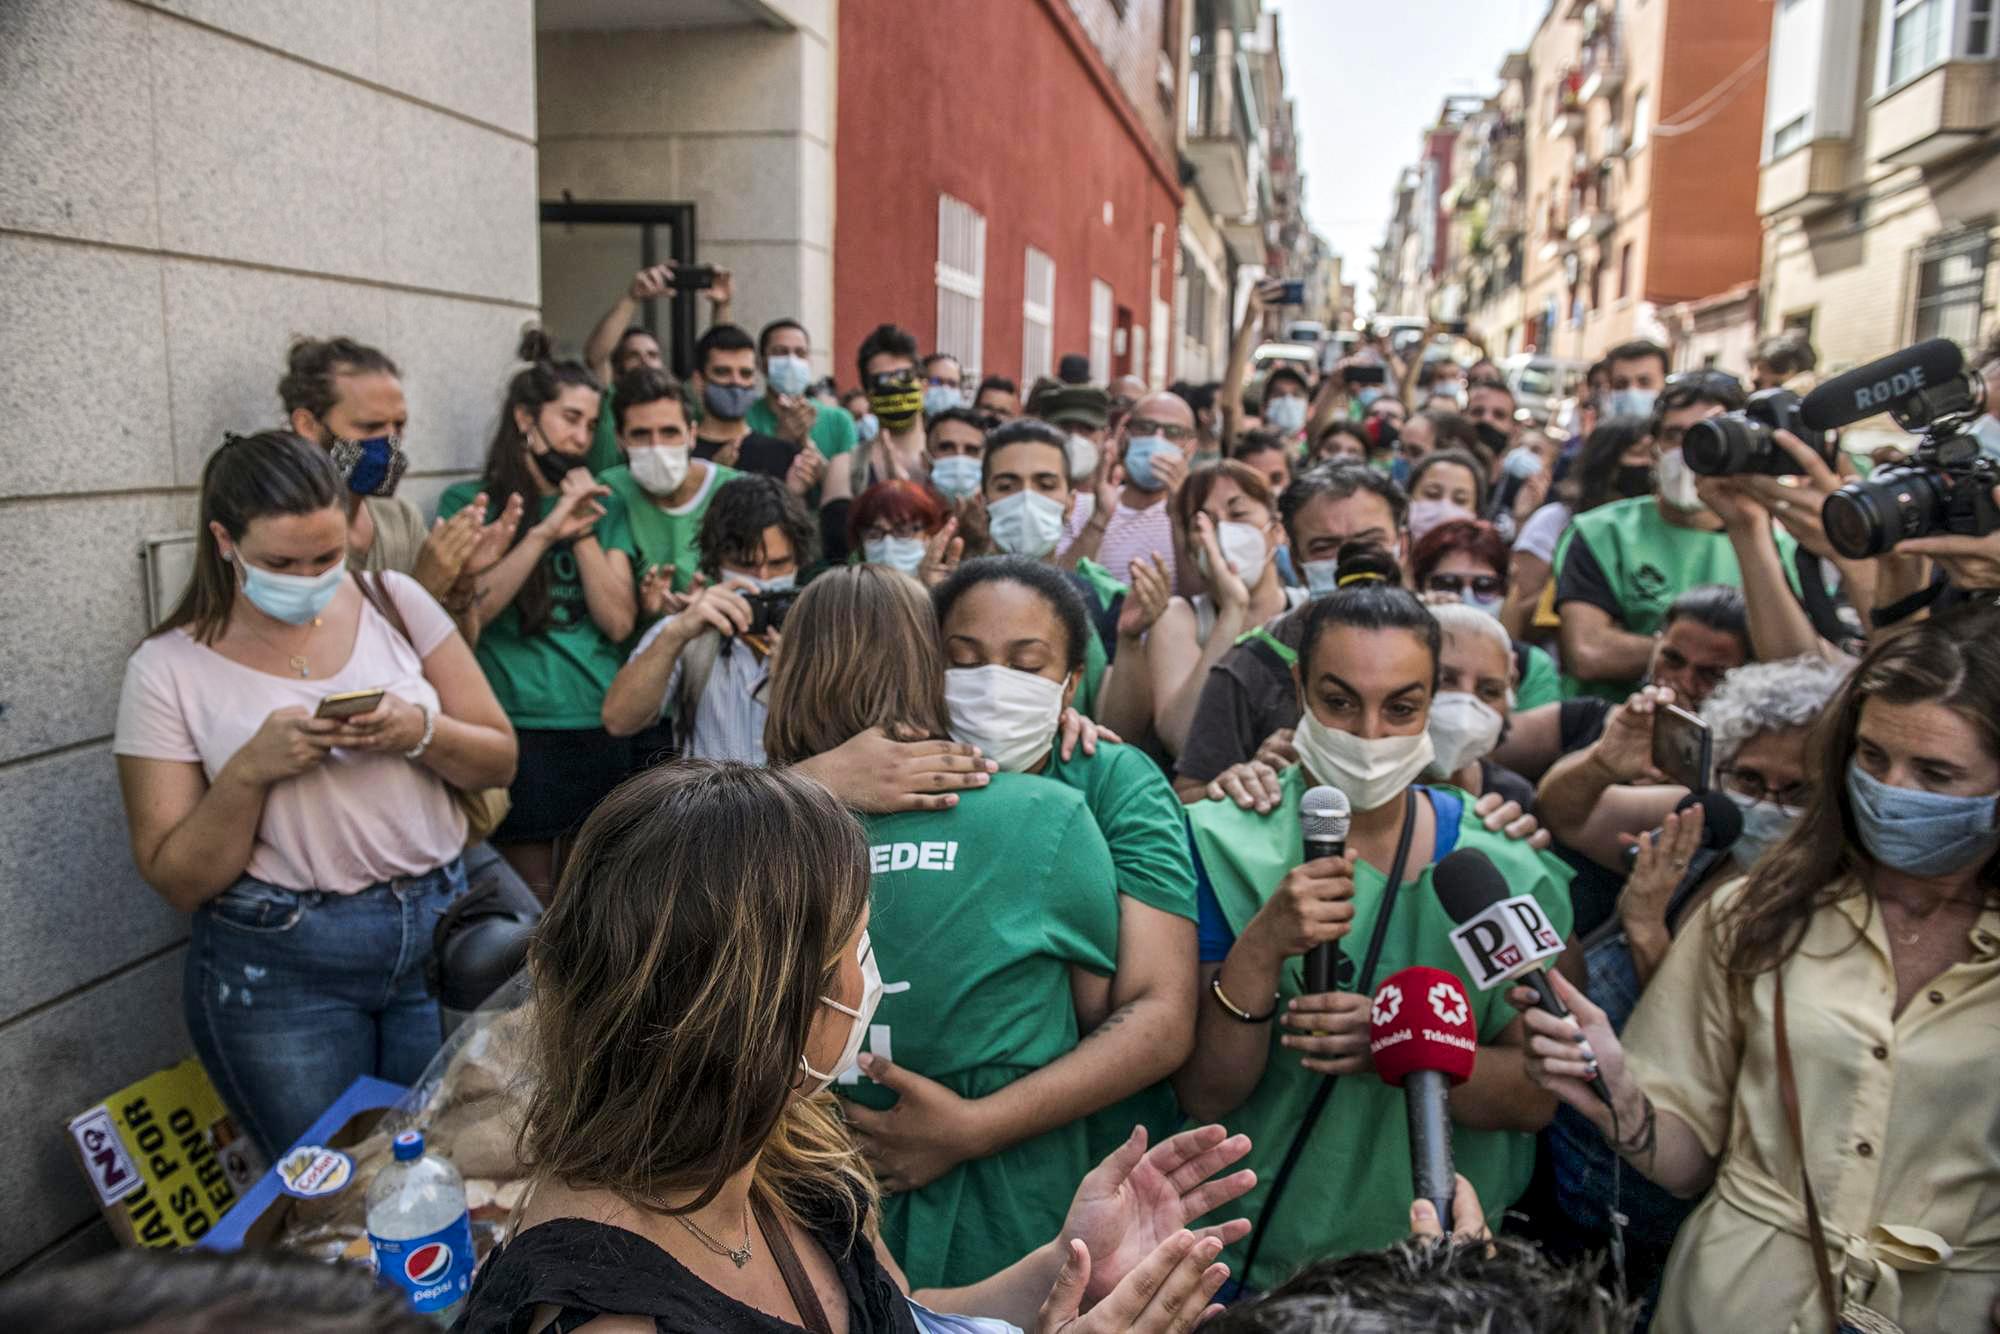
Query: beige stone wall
<point x="188" y="184"/>
<point x="737" y="121"/>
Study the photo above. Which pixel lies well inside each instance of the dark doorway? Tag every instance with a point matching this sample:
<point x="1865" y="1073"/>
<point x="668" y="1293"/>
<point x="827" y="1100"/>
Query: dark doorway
<point x="590" y="250"/>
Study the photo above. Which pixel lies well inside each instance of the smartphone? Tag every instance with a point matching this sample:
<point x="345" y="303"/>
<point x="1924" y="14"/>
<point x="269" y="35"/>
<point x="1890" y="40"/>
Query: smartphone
<point x="350" y="703"/>
<point x="694" y="277"/>
<point x="1292" y="293"/>
<point x="1364" y="375"/>
<point x="1681" y="747"/>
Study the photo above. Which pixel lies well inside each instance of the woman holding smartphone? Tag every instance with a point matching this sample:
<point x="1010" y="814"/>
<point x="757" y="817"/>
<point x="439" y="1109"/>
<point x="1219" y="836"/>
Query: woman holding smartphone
<point x="315" y="852"/>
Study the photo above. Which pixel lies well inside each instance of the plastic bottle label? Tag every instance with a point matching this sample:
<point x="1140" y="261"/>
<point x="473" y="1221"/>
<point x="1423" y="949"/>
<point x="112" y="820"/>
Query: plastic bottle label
<point x="435" y="1271"/>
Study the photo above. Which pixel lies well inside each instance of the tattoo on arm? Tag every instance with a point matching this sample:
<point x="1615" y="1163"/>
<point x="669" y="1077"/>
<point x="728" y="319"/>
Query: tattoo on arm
<point x="1111" y="1020"/>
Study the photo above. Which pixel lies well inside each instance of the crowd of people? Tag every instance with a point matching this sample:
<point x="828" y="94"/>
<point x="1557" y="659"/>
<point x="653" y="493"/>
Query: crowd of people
<point x="913" y="779"/>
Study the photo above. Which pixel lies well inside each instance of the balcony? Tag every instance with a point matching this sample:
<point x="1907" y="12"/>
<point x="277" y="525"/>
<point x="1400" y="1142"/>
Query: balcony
<point x="1509" y="142"/>
<point x="1503" y="221"/>
<point x="1935" y="115"/>
<point x="1603" y="68"/>
<point x="1803" y="182"/>
<point x="1591" y="221"/>
<point x="1567" y="123"/>
<point x="1223" y="169"/>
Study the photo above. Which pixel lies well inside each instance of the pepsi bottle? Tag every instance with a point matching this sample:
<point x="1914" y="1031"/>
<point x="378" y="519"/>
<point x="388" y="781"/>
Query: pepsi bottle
<point x="419" y="1229"/>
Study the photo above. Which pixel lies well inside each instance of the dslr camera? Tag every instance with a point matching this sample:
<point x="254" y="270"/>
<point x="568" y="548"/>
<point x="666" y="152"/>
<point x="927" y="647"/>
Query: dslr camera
<point x="767" y="610"/>
<point x="1739" y="443"/>
<point x="1947" y="487"/>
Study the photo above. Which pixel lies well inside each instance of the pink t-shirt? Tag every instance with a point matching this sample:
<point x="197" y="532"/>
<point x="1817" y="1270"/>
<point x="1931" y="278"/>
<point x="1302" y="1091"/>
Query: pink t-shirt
<point x="1130" y="535"/>
<point x="353" y="821"/>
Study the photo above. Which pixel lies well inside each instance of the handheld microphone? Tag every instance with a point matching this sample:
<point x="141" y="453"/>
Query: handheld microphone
<point x="1501" y="938"/>
<point x="1423" y="1040"/>
<point x="1882" y="385"/>
<point x="1721" y="824"/>
<point x="1323" y="821"/>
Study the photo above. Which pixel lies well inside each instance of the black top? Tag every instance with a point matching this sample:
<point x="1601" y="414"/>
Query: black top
<point x="755" y="452"/>
<point x="1583" y="580"/>
<point x="586" y="1269"/>
<point x="1248" y="695"/>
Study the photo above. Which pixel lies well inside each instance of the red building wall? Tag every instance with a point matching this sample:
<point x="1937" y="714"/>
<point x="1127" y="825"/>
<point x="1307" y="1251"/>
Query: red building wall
<point x="1006" y="105"/>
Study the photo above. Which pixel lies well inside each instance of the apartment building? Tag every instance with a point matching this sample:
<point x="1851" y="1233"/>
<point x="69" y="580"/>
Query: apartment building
<point x="1879" y="185"/>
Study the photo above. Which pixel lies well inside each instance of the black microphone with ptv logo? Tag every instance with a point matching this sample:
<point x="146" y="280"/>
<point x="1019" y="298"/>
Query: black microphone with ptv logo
<point x="1501" y="937"/>
<point x="1324" y="816"/>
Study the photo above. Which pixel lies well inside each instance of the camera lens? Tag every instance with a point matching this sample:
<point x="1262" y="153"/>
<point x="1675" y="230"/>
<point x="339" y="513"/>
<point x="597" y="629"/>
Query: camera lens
<point x="1867" y="518"/>
<point x="1722" y="446"/>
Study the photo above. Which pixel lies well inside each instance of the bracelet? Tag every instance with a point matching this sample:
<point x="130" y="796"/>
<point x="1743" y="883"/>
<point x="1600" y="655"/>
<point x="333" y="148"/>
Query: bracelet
<point x="1237" y="1012"/>
<point x="416" y="752"/>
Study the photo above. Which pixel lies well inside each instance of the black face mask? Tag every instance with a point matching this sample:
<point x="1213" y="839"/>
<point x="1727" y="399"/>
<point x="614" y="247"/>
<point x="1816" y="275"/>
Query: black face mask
<point x="1492" y="437"/>
<point x="554" y="467"/>
<point x="1383" y="432"/>
<point x="1633" y="480"/>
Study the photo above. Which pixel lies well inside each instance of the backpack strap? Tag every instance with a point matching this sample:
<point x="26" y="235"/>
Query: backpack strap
<point x="1269" y="647"/>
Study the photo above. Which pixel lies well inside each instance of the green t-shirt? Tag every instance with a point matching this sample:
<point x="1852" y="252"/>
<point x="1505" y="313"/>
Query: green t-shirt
<point x="554" y="679"/>
<point x="1634" y="564"/>
<point x="1540" y="682"/>
<point x="1096" y="658"/>
<point x="604" y="452"/>
<point x="663" y="536"/>
<point x="1140" y="817"/>
<point x="1351" y="1189"/>
<point x="832" y="429"/>
<point x="979" y="914"/>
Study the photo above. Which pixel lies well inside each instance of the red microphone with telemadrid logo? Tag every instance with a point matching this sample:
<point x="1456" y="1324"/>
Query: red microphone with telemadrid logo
<point x="1421" y="1034"/>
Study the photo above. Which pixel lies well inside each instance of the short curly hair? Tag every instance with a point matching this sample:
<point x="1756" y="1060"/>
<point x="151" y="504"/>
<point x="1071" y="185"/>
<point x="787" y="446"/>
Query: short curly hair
<point x="1762" y="697"/>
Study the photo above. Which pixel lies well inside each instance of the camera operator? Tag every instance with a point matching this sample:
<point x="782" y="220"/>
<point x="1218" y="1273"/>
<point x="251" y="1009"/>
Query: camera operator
<point x="707" y="665"/>
<point x="1876" y="922"/>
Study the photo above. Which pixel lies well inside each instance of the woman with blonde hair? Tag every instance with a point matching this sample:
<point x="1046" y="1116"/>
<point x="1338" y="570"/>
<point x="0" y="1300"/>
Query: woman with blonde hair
<point x="688" y="1173"/>
<point x="1000" y="929"/>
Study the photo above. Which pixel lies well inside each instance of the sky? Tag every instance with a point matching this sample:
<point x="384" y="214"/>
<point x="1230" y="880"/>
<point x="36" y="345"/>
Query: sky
<point x="1368" y="76"/>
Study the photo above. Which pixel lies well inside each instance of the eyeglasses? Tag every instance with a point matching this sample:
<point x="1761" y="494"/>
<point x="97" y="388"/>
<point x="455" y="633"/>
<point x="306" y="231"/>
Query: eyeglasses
<point x="1146" y="426"/>
<point x="880" y="529"/>
<point x="1750" y="785"/>
<point x="1487" y="586"/>
<point x="895" y="380"/>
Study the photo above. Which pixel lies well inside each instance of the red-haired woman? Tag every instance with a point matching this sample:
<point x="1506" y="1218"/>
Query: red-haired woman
<point x="1467" y="560"/>
<point x="897" y="523"/>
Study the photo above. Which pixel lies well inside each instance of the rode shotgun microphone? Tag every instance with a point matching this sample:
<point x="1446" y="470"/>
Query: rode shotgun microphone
<point x="1501" y="938"/>
<point x="1423" y="1040"/>
<point x="1721" y="824"/>
<point x="1882" y="386"/>
<point x="1323" y="820"/>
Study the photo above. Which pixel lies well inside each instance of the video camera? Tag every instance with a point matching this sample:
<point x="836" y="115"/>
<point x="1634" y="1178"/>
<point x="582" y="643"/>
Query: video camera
<point x="1741" y="442"/>
<point x="1947" y="486"/>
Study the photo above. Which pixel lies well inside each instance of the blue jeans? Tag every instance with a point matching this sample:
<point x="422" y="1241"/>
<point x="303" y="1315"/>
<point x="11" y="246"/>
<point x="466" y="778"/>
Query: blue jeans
<point x="290" y="994"/>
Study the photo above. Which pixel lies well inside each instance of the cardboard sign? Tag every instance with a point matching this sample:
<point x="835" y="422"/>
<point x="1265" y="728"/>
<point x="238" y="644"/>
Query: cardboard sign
<point x="164" y="1157"/>
<point x="1508" y="940"/>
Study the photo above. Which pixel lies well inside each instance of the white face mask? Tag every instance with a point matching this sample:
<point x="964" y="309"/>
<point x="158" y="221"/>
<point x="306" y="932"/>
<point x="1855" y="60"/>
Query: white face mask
<point x="898" y="553"/>
<point x="1677" y="483"/>
<point x="1285" y="414"/>
<point x="1026" y="523"/>
<point x="1463" y="728"/>
<point x="659" y="469"/>
<point x="1242" y="546"/>
<point x="955" y="476"/>
<point x="1371" y="773"/>
<point x="777" y="583"/>
<point x="1009" y="714"/>
<point x="1082" y="453"/>
<point x="1428" y="514"/>
<point x="871" y="997"/>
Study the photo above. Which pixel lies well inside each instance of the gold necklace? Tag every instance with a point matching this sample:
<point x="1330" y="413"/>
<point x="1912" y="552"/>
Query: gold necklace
<point x="297" y="661"/>
<point x="740" y="1256"/>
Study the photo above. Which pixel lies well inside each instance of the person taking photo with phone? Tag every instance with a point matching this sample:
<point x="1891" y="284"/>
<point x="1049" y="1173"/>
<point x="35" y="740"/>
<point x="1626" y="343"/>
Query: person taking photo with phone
<point x="315" y="852"/>
<point x="556" y="607"/>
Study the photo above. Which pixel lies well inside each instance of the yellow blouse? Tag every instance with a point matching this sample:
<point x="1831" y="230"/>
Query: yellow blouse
<point x="1901" y="1118"/>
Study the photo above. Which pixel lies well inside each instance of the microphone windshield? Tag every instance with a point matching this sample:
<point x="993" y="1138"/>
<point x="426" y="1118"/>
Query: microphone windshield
<point x="1324" y="814"/>
<point x="1421" y="1019"/>
<point x="1881" y="385"/>
<point x="1467" y="884"/>
<point x="1721" y="821"/>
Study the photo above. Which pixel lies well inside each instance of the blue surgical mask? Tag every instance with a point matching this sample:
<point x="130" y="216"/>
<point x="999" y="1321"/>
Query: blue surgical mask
<point x="787" y="374"/>
<point x="1522" y="463"/>
<point x="1322" y="576"/>
<point x="1921" y="833"/>
<point x="1399" y="471"/>
<point x="729" y="402"/>
<point x="291" y="598"/>
<point x="1285" y="414"/>
<point x="1765" y="825"/>
<point x="956" y="476"/>
<point x="866" y="427"/>
<point x="1632" y="402"/>
<point x="1491" y="606"/>
<point x="898" y="553"/>
<point x="1139" y="454"/>
<point x="777" y="583"/>
<point x="1026" y="523"/>
<point x="941" y="398"/>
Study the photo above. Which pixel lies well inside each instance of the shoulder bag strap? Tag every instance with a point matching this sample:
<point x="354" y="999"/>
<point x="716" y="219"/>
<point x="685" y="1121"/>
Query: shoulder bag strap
<point x="378" y="596"/>
<point x="804" y="1296"/>
<point x="1364" y="986"/>
<point x="1788" y="1093"/>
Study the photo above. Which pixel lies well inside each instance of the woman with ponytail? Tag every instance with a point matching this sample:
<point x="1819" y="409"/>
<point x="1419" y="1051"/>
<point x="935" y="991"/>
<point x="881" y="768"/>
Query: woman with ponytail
<point x="556" y="609"/>
<point x="285" y="740"/>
